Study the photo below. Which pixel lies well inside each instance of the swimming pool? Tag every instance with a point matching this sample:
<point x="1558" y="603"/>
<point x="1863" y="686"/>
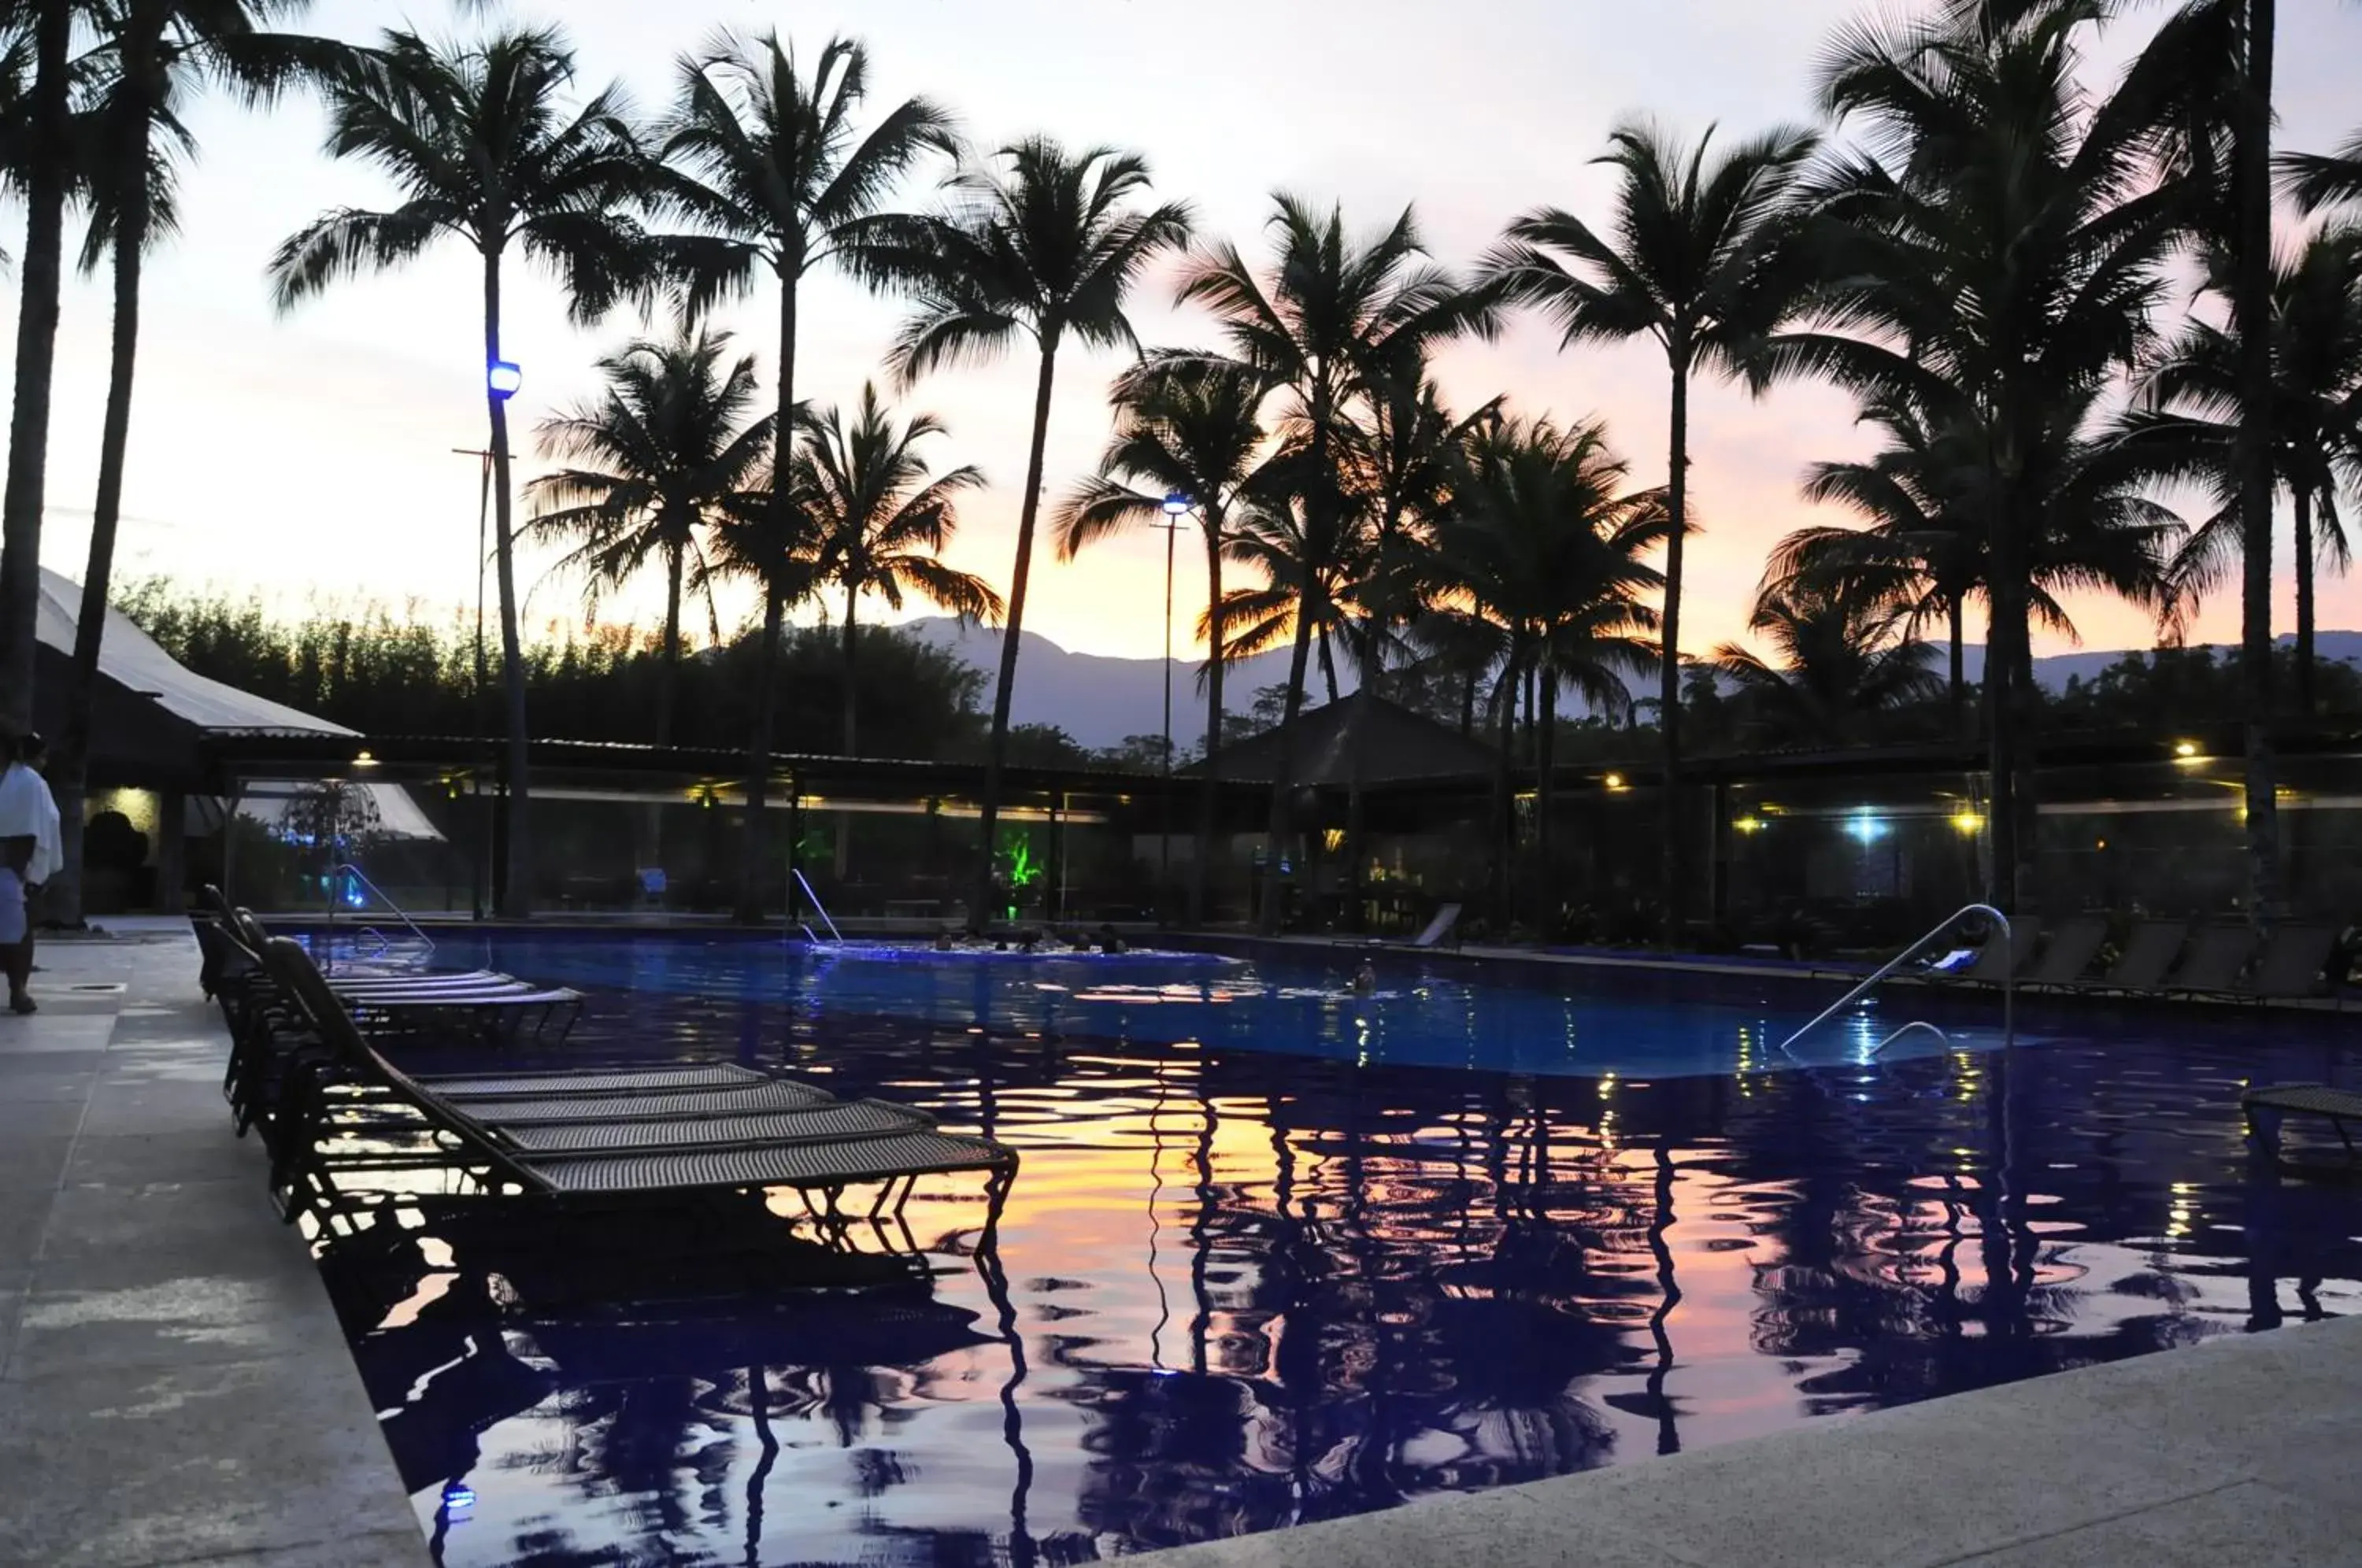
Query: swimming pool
<point x="1280" y="1252"/>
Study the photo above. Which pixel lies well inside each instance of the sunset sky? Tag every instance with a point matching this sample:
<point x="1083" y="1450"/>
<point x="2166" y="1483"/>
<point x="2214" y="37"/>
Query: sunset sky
<point x="312" y="454"/>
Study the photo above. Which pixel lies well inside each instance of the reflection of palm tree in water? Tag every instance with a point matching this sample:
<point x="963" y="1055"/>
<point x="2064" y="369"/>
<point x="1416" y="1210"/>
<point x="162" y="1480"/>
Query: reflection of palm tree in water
<point x="1669" y="1296"/>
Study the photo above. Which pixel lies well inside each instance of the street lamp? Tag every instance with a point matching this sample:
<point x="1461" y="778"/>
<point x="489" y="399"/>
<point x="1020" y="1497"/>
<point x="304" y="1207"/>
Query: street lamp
<point x="503" y="379"/>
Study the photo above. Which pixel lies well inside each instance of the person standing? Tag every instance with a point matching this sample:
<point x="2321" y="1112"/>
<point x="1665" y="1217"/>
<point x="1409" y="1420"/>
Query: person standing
<point x="30" y="853"/>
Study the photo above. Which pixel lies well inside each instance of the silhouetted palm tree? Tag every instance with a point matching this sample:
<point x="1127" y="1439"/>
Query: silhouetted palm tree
<point x="651" y="468"/>
<point x="1695" y="258"/>
<point x="881" y="520"/>
<point x="1330" y="320"/>
<point x="2325" y="180"/>
<point x="1993" y="253"/>
<point x="37" y="49"/>
<point x="1845" y="657"/>
<point x="772" y="173"/>
<point x="150" y="58"/>
<point x="2190" y="420"/>
<point x="1043" y="244"/>
<point x="1545" y="552"/>
<point x="1192" y="429"/>
<point x="484" y="148"/>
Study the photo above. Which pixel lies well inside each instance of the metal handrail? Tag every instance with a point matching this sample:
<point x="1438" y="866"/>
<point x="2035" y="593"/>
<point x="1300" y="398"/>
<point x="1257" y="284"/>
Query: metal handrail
<point x="2008" y="982"/>
<point x="819" y="908"/>
<point x="399" y="914"/>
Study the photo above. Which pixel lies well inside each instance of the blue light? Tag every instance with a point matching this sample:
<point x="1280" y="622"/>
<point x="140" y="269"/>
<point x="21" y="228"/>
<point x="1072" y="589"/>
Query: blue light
<point x="503" y="378"/>
<point x="458" y="1497"/>
<point x="1867" y="828"/>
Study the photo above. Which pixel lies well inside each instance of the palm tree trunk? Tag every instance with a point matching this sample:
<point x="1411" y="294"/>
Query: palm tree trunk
<point x="1283" y="788"/>
<point x="2305" y="607"/>
<point x="997" y="752"/>
<point x="758" y="748"/>
<point x="852" y="741"/>
<point x="1546" y="759"/>
<point x="2251" y="315"/>
<point x="71" y="777"/>
<point x="516" y="883"/>
<point x="36" y="338"/>
<point x="1505" y="814"/>
<point x="669" y="678"/>
<point x="1958" y="685"/>
<point x="1468" y="703"/>
<point x="751" y="879"/>
<point x="1209" y="799"/>
<point x="1668" y="693"/>
<point x="1328" y="663"/>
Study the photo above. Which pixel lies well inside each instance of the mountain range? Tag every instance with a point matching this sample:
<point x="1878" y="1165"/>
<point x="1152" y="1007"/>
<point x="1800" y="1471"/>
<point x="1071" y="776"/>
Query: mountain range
<point x="1098" y="698"/>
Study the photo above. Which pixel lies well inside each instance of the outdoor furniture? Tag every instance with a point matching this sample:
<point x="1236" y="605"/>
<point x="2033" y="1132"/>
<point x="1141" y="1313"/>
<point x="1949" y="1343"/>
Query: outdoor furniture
<point x="494" y="1004"/>
<point x="2210" y="968"/>
<point x="2000" y="959"/>
<point x="2291" y="964"/>
<point x="2266" y="1106"/>
<point x="823" y="1147"/>
<point x="1446" y="917"/>
<point x="2148" y="952"/>
<point x="2068" y="953"/>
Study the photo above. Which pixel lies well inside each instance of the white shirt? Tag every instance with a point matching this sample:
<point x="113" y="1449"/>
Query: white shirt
<point x="28" y="810"/>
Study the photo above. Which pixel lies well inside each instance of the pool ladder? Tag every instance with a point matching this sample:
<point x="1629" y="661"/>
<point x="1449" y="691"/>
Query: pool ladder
<point x="820" y="909"/>
<point x="2008" y="983"/>
<point x="384" y="943"/>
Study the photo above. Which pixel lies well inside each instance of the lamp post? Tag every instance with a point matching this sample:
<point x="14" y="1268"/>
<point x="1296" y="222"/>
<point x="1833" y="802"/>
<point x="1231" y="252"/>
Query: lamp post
<point x="1176" y="507"/>
<point x="503" y="379"/>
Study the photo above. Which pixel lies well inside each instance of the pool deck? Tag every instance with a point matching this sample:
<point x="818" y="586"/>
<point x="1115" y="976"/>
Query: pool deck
<point x="2241" y="1450"/>
<point x="174" y="1387"/>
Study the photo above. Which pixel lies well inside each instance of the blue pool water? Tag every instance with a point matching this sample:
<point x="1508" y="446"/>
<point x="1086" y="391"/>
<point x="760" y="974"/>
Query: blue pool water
<point x="1278" y="1253"/>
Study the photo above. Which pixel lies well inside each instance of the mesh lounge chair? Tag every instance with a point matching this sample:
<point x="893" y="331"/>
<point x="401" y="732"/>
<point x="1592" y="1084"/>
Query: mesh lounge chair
<point x="1447" y="916"/>
<point x="495" y="1005"/>
<point x="822" y="1148"/>
<point x="2149" y="951"/>
<point x="2291" y="964"/>
<point x="2265" y="1107"/>
<point x="2211" y="967"/>
<point x="2068" y="953"/>
<point x="1999" y="959"/>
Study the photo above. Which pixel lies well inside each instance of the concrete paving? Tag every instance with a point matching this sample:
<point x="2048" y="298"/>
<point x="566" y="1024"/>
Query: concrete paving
<point x="174" y="1387"/>
<point x="2241" y="1450"/>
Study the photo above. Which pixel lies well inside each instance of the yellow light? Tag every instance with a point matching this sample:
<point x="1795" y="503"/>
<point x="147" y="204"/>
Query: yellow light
<point x="2185" y="748"/>
<point x="1748" y="824"/>
<point x="1967" y="820"/>
<point x="1613" y="781"/>
<point x="363" y="759"/>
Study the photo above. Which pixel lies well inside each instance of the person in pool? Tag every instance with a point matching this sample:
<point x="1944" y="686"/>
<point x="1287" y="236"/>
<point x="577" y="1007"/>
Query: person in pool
<point x="1366" y="979"/>
<point x="1109" y="941"/>
<point x="943" y="941"/>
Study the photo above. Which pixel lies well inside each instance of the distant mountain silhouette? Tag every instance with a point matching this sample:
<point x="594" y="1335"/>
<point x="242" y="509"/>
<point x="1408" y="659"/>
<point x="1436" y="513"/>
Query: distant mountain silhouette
<point x="1099" y="700"/>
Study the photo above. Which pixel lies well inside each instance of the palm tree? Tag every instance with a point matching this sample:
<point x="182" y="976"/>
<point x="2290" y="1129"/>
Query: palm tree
<point x="151" y="56"/>
<point x="768" y="169"/>
<point x="38" y="44"/>
<point x="650" y="468"/>
<point x="1193" y="430"/>
<point x="1846" y="657"/>
<point x="1048" y="246"/>
<point x="483" y="148"/>
<point x="1545" y="554"/>
<point x="2326" y="179"/>
<point x="2189" y="421"/>
<point x="1994" y="252"/>
<point x="881" y="520"/>
<point x="1695" y="260"/>
<point x="1332" y="319"/>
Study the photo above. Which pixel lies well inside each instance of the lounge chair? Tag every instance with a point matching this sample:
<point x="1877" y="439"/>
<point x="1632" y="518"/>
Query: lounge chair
<point x="823" y="1147"/>
<point x="2290" y="965"/>
<point x="2068" y="953"/>
<point x="2149" y="953"/>
<point x="1447" y="916"/>
<point x="497" y="1004"/>
<point x="2210" y="968"/>
<point x="2000" y="959"/>
<point x="2265" y="1107"/>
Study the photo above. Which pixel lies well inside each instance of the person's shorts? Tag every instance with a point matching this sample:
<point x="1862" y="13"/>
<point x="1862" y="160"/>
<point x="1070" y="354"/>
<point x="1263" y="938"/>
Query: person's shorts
<point x="12" y="909"/>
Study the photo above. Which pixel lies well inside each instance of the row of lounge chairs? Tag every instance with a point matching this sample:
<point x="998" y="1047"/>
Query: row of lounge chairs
<point x="349" y="1133"/>
<point x="2159" y="958"/>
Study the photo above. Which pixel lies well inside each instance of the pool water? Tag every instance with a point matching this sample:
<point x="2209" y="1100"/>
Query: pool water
<point x="1280" y="1252"/>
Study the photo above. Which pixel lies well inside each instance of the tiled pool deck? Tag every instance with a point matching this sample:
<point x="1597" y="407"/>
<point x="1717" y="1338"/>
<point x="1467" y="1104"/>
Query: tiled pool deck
<point x="174" y="1388"/>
